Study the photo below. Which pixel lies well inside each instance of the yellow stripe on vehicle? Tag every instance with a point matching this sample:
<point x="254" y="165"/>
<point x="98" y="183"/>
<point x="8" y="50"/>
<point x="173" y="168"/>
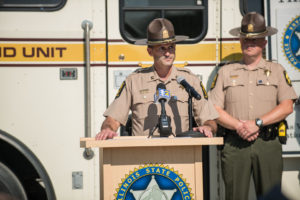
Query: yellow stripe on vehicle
<point x="65" y="52"/>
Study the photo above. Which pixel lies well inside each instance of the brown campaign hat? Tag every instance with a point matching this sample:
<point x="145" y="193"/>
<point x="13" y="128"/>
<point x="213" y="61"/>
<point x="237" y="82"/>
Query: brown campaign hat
<point x="253" y="26"/>
<point x="160" y="31"/>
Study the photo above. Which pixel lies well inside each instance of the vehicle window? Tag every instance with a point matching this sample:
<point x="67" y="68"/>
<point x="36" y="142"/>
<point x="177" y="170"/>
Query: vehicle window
<point x="189" y="17"/>
<point x="31" y="5"/>
<point x="252" y="5"/>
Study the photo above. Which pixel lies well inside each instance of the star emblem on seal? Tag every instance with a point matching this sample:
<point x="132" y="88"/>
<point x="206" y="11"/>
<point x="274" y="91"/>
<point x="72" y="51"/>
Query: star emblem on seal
<point x="153" y="182"/>
<point x="153" y="192"/>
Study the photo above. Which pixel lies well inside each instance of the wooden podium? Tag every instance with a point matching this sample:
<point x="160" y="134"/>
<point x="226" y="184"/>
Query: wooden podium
<point x="144" y="167"/>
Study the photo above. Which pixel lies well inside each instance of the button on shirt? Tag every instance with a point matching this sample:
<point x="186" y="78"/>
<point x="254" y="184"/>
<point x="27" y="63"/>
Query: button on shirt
<point x="249" y="94"/>
<point x="138" y="96"/>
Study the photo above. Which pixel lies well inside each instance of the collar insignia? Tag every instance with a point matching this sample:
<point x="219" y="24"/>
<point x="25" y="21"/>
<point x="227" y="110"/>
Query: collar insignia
<point x="267" y="72"/>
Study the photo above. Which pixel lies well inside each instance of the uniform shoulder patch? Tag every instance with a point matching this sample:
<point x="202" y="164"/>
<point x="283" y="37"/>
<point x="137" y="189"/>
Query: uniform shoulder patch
<point x="120" y="89"/>
<point x="287" y="78"/>
<point x="203" y="90"/>
<point x="213" y="84"/>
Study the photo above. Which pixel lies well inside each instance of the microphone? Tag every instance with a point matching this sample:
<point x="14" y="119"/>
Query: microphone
<point x="181" y="80"/>
<point x="162" y="95"/>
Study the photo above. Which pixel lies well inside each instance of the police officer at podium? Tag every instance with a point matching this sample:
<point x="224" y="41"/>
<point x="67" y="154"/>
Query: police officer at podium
<point x="137" y="91"/>
<point x="253" y="97"/>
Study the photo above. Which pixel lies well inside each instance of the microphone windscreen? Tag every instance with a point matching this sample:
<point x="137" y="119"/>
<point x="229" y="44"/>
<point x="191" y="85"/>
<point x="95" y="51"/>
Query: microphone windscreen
<point x="161" y="93"/>
<point x="160" y="86"/>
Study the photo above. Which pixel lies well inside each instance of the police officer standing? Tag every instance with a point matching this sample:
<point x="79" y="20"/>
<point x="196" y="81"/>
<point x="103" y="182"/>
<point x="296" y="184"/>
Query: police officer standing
<point x="137" y="91"/>
<point x="253" y="97"/>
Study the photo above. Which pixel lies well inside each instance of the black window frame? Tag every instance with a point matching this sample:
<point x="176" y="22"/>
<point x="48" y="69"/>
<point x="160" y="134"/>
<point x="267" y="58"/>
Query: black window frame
<point x="197" y="39"/>
<point x="38" y="7"/>
<point x="244" y="7"/>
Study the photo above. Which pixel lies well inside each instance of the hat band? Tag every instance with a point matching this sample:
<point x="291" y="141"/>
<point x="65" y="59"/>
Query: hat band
<point x="249" y="35"/>
<point x="163" y="40"/>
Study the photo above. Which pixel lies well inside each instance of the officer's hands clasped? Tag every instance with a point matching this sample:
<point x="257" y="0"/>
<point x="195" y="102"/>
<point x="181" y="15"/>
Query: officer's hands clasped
<point x="247" y="130"/>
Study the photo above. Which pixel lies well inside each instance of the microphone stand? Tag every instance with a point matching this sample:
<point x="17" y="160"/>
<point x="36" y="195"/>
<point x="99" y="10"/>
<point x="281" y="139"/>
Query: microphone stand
<point x="164" y="123"/>
<point x="190" y="132"/>
<point x="190" y="108"/>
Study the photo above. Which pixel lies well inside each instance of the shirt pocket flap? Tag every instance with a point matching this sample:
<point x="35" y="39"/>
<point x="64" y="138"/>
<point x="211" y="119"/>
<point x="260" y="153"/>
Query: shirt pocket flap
<point x="181" y="96"/>
<point x="234" y="80"/>
<point x="264" y="80"/>
<point x="146" y="98"/>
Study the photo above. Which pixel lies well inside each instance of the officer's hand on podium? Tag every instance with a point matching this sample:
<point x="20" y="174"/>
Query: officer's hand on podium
<point x="108" y="129"/>
<point x="206" y="130"/>
<point x="106" y="134"/>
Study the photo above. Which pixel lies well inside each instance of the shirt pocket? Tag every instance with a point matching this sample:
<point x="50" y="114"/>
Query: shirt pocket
<point x="143" y="106"/>
<point x="266" y="88"/>
<point x="179" y="103"/>
<point x="234" y="88"/>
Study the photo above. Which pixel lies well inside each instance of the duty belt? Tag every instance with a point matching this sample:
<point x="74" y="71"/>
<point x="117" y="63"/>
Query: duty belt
<point x="269" y="132"/>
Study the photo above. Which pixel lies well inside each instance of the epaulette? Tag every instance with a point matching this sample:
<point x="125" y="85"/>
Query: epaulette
<point x="186" y="72"/>
<point x="140" y="70"/>
<point x="228" y="62"/>
<point x="183" y="69"/>
<point x="272" y="61"/>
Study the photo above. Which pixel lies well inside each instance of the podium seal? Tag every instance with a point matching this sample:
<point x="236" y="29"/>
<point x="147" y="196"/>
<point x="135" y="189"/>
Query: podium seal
<point x="153" y="181"/>
<point x="291" y="42"/>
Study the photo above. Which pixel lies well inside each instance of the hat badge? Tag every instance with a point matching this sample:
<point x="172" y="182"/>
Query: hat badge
<point x="250" y="28"/>
<point x="165" y="33"/>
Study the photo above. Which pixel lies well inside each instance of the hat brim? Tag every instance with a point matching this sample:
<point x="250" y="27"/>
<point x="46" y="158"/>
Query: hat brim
<point x="237" y="32"/>
<point x="177" y="38"/>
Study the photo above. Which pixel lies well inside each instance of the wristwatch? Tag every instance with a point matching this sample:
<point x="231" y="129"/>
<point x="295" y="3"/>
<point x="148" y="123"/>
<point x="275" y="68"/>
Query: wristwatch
<point x="259" y="122"/>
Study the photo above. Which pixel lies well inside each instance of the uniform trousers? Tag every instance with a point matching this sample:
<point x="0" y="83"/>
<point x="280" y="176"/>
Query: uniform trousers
<point x="241" y="158"/>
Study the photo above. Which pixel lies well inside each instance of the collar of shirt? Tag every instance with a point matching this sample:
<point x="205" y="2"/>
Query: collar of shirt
<point x="261" y="65"/>
<point x="154" y="77"/>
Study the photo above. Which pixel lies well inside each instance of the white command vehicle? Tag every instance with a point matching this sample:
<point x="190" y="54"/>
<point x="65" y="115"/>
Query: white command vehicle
<point x="63" y="61"/>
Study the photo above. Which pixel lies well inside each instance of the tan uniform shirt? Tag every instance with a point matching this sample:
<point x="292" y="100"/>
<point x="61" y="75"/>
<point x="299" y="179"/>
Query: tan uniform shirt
<point x="138" y="96"/>
<point x="249" y="94"/>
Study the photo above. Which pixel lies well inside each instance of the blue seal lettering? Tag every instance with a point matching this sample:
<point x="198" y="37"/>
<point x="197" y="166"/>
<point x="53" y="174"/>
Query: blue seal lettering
<point x="291" y="42"/>
<point x="154" y="182"/>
